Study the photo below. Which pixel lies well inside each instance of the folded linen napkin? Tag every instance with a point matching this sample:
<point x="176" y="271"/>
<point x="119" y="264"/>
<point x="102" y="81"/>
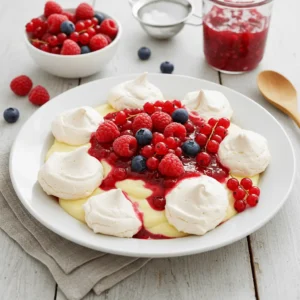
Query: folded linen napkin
<point x="76" y="269"/>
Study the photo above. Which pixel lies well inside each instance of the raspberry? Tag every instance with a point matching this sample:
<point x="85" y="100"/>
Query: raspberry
<point x="98" y="42"/>
<point x="109" y="27"/>
<point x="107" y="132"/>
<point x="70" y="48"/>
<point x="160" y="120"/>
<point x="38" y="95"/>
<point x="51" y="8"/>
<point x="142" y="120"/>
<point x="84" y="11"/>
<point x="125" y="145"/>
<point x="21" y="85"/>
<point x="171" y="166"/>
<point x="175" y="130"/>
<point x="70" y="16"/>
<point x="54" y="22"/>
<point x="109" y="40"/>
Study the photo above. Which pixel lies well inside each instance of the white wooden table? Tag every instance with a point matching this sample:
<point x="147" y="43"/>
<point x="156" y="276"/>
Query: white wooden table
<point x="265" y="265"/>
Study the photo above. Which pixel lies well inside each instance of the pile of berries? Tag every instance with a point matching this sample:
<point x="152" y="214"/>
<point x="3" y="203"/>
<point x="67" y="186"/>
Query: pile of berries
<point x="65" y="33"/>
<point x="244" y="193"/>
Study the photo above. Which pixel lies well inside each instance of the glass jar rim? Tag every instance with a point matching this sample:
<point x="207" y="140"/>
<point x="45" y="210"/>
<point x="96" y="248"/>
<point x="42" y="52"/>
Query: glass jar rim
<point x="241" y="3"/>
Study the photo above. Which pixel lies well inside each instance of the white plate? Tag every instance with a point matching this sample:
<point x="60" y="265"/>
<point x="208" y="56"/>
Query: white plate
<point x="34" y="139"/>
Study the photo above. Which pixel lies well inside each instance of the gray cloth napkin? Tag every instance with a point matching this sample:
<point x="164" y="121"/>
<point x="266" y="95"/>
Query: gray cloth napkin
<point x="76" y="269"/>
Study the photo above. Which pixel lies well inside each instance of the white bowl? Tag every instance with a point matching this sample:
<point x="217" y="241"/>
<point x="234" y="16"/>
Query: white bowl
<point x="75" y="66"/>
<point x="35" y="138"/>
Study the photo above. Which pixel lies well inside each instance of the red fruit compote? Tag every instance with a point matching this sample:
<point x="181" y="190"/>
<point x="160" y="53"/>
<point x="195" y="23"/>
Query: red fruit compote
<point x="235" y="33"/>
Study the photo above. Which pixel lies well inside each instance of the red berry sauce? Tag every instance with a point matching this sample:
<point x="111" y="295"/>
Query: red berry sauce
<point x="234" y="40"/>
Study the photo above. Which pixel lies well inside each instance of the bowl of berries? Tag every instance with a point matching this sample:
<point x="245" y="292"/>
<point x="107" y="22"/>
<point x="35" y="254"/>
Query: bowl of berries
<point x="72" y="43"/>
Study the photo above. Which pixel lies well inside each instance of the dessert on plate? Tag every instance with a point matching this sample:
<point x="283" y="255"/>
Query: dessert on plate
<point x="144" y="167"/>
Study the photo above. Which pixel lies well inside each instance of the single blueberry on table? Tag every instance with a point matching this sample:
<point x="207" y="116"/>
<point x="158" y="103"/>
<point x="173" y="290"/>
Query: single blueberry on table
<point x="138" y="164"/>
<point x="167" y="67"/>
<point x="143" y="136"/>
<point x="190" y="148"/>
<point x="180" y="115"/>
<point x="11" y="115"/>
<point x="100" y="17"/>
<point x="85" y="49"/>
<point x="144" y="53"/>
<point x="67" y="27"/>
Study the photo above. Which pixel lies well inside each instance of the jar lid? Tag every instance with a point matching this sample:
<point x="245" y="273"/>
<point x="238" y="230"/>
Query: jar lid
<point x="241" y="3"/>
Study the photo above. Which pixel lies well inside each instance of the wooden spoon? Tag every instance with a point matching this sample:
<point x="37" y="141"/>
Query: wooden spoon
<point x="280" y="92"/>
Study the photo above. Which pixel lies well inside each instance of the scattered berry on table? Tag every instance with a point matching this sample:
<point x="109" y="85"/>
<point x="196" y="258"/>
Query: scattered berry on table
<point x="21" y="85"/>
<point x="11" y="115"/>
<point x="125" y="145"/>
<point x="144" y="53"/>
<point x="167" y="67"/>
<point x="160" y="120"/>
<point x="246" y="183"/>
<point x="190" y="148"/>
<point x="138" y="164"/>
<point x="152" y="163"/>
<point x="38" y="95"/>
<point x="54" y="22"/>
<point x="232" y="184"/>
<point x="100" y="17"/>
<point x="51" y="8"/>
<point x="67" y="27"/>
<point x="143" y="136"/>
<point x="203" y="159"/>
<point x="109" y="27"/>
<point x="142" y="120"/>
<point x="171" y="166"/>
<point x="98" y="42"/>
<point x="240" y="205"/>
<point x="70" y="48"/>
<point x="175" y="130"/>
<point x="107" y="132"/>
<point x="84" y="11"/>
<point x="180" y="115"/>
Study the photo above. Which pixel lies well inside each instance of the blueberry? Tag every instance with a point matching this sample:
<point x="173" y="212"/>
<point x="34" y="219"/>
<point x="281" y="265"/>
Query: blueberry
<point x="144" y="53"/>
<point x="167" y="67"/>
<point x="138" y="164"/>
<point x="190" y="148"/>
<point x="11" y="115"/>
<point x="180" y="115"/>
<point x="143" y="136"/>
<point x="67" y="27"/>
<point x="100" y="17"/>
<point x="85" y="49"/>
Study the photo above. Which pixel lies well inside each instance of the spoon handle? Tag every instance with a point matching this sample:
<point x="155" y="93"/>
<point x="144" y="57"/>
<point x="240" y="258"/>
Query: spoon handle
<point x="296" y="117"/>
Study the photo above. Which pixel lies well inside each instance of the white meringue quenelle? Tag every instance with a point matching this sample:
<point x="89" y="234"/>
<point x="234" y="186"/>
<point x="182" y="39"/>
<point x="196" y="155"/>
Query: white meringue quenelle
<point x="134" y="93"/>
<point x="245" y="153"/>
<point x="71" y="175"/>
<point x="75" y="126"/>
<point x="208" y="104"/>
<point x="196" y="205"/>
<point x="112" y="213"/>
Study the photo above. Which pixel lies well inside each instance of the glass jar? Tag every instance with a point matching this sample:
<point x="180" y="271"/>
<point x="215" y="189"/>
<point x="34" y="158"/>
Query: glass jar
<point x="235" y="33"/>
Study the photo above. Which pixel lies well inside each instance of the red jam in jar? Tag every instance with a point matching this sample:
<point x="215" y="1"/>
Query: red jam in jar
<point x="234" y="39"/>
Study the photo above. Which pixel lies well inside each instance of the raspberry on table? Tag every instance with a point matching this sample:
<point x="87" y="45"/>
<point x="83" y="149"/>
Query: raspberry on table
<point x="84" y="11"/>
<point x="125" y="145"/>
<point x="54" y="22"/>
<point x="107" y="132"/>
<point x="142" y="120"/>
<point x="38" y="95"/>
<point x="70" y="48"/>
<point x="160" y="120"/>
<point x="51" y="8"/>
<point x="21" y="85"/>
<point x="109" y="27"/>
<point x="171" y="166"/>
<point x="98" y="42"/>
<point x="175" y="130"/>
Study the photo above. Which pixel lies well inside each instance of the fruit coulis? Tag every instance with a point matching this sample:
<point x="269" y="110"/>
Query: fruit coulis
<point x="234" y="40"/>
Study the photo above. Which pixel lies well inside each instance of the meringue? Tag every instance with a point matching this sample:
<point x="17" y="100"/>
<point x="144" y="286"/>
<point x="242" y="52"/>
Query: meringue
<point x="71" y="175"/>
<point x="75" y="126"/>
<point x="245" y="153"/>
<point x="197" y="205"/>
<point x="112" y="213"/>
<point x="134" y="93"/>
<point x="208" y="104"/>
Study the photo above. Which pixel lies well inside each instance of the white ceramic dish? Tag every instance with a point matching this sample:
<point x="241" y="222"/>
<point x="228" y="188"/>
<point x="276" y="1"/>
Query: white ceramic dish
<point x="34" y="139"/>
<point x="74" y="66"/>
